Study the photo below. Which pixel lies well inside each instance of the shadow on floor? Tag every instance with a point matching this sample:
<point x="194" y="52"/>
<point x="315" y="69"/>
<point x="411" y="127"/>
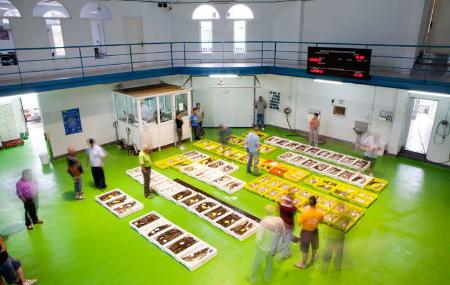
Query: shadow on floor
<point x="69" y="196"/>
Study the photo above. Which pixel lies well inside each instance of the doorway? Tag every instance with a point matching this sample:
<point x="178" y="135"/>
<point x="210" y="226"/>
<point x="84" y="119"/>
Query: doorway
<point x="423" y="113"/>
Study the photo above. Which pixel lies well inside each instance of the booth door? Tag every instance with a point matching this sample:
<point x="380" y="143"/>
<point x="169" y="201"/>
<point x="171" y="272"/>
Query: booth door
<point x="182" y="107"/>
<point x="167" y="130"/>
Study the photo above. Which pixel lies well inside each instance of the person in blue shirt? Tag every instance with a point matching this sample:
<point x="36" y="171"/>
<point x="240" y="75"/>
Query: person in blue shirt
<point x="195" y="123"/>
<point x="252" y="146"/>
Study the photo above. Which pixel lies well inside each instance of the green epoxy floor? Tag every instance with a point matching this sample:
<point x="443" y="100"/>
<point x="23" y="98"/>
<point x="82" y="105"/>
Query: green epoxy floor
<point x="403" y="238"/>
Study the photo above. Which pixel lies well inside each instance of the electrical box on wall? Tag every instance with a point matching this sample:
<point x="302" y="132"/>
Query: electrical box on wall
<point x="339" y="110"/>
<point x="385" y="116"/>
<point x="274" y="100"/>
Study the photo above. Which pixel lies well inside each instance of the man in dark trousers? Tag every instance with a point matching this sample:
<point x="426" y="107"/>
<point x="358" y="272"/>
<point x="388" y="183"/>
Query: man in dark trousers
<point x="146" y="166"/>
<point x="96" y="155"/>
<point x="27" y="191"/>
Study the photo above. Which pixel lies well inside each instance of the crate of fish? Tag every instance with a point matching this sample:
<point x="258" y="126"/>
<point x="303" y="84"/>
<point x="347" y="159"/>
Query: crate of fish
<point x="376" y="185"/>
<point x="119" y="203"/>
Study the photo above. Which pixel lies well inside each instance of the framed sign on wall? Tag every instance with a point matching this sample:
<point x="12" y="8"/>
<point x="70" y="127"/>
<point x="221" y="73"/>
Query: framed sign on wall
<point x="72" y="121"/>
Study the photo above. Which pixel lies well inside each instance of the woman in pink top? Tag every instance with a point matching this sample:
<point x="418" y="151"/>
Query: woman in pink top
<point x="28" y="193"/>
<point x="314" y="130"/>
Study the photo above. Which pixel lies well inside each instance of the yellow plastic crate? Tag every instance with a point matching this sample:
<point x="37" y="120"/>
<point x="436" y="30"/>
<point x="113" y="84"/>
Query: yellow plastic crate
<point x="376" y="184"/>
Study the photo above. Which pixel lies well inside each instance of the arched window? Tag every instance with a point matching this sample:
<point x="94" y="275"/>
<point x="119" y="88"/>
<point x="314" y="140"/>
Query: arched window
<point x="96" y="13"/>
<point x="52" y="11"/>
<point x="7" y="10"/>
<point x="240" y="13"/>
<point x="206" y="13"/>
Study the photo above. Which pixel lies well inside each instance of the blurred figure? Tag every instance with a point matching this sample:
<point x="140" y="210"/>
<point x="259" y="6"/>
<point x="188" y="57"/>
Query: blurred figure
<point x="27" y="191"/>
<point x="75" y="170"/>
<point x="287" y="213"/>
<point x="201" y="117"/>
<point x="195" y="123"/>
<point x="179" y="126"/>
<point x="224" y="134"/>
<point x="11" y="269"/>
<point x="314" y="124"/>
<point x="334" y="248"/>
<point x="145" y="161"/>
<point x="371" y="144"/>
<point x="260" y="107"/>
<point x="309" y="235"/>
<point x="267" y="239"/>
<point x="96" y="155"/>
<point x="252" y="147"/>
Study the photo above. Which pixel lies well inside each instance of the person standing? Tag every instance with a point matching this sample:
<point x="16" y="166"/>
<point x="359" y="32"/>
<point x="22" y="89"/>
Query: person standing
<point x="11" y="269"/>
<point x="195" y="123"/>
<point x="371" y="145"/>
<point x="96" y="155"/>
<point x="252" y="147"/>
<point x="267" y="240"/>
<point x="75" y="170"/>
<point x="201" y="117"/>
<point x="27" y="192"/>
<point x="309" y="236"/>
<point x="179" y="128"/>
<point x="224" y="134"/>
<point x="146" y="166"/>
<point x="287" y="213"/>
<point x="314" y="124"/>
<point x="260" y="107"/>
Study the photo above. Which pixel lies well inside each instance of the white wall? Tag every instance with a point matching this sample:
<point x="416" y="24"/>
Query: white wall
<point x="96" y="112"/>
<point x="224" y="103"/>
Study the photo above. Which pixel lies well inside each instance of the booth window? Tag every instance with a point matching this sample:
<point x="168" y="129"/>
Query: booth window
<point x="206" y="13"/>
<point x="240" y="13"/>
<point x="181" y="104"/>
<point x="132" y="111"/>
<point x="149" y="111"/>
<point x="165" y="108"/>
<point x="121" y="107"/>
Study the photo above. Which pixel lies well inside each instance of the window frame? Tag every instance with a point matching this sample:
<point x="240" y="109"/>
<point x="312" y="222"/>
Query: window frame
<point x="206" y="47"/>
<point x="240" y="45"/>
<point x="58" y="51"/>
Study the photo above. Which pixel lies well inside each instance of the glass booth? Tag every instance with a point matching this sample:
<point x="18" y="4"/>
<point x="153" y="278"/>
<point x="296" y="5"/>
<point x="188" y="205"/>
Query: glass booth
<point x="146" y="114"/>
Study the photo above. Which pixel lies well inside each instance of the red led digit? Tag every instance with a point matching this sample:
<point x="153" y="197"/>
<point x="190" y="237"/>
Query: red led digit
<point x="314" y="59"/>
<point x="358" y="74"/>
<point x="360" y="57"/>
<point x="315" y="70"/>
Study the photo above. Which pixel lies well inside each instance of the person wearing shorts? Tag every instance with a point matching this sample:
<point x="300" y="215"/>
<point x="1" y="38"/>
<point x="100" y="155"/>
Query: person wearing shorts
<point x="11" y="269"/>
<point x="309" y="236"/>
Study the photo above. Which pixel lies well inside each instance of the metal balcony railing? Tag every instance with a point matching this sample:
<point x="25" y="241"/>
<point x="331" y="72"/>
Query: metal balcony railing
<point x="25" y="65"/>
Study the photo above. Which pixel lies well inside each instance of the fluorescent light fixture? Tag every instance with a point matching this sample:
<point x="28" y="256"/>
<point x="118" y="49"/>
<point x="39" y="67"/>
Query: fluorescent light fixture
<point x="428" y="93"/>
<point x="329" y="81"/>
<point x="227" y="75"/>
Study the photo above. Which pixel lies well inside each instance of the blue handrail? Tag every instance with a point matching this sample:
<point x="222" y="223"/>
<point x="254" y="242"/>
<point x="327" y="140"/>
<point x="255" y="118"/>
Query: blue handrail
<point x="397" y="59"/>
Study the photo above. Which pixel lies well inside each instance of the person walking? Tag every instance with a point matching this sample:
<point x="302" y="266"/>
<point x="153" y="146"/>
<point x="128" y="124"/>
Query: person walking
<point x="252" y="147"/>
<point x="371" y="145"/>
<point x="27" y="192"/>
<point x="224" y="134"/>
<point x="179" y="128"/>
<point x="287" y="213"/>
<point x="146" y="166"/>
<point x="11" y="269"/>
<point x="96" y="155"/>
<point x="267" y="243"/>
<point x="309" y="236"/>
<point x="201" y="117"/>
<point x="195" y="124"/>
<point x="260" y="107"/>
<point x="314" y="124"/>
<point x="75" y="170"/>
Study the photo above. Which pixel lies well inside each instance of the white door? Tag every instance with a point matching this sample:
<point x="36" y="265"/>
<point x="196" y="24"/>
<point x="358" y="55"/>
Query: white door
<point x="423" y="112"/>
